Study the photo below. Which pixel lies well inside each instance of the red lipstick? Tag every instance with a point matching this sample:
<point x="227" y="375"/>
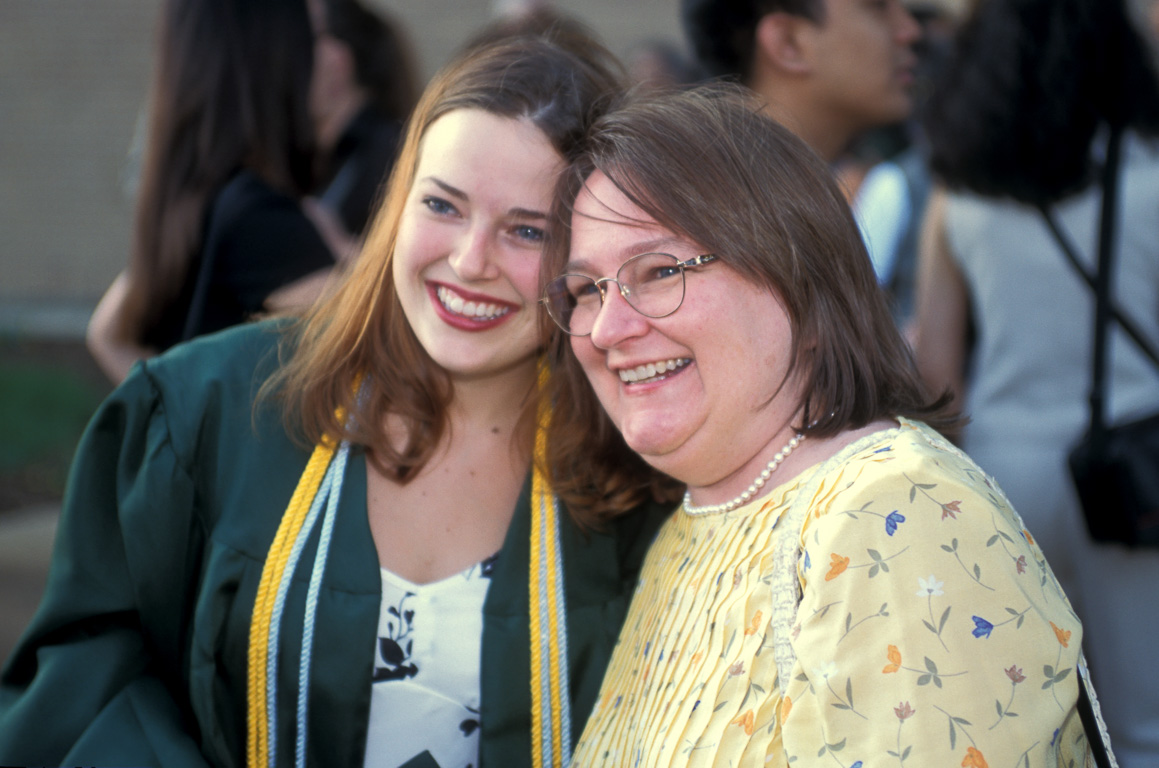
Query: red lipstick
<point x="464" y="322"/>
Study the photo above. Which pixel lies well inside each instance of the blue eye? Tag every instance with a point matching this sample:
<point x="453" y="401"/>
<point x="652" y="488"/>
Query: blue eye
<point x="528" y="233"/>
<point x="660" y="273"/>
<point x="584" y="289"/>
<point x="438" y="205"/>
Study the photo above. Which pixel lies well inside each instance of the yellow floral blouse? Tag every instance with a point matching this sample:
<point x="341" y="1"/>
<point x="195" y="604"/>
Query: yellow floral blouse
<point x="913" y="618"/>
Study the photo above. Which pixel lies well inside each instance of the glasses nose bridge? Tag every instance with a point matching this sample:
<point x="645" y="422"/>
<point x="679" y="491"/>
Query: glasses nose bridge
<point x="602" y="285"/>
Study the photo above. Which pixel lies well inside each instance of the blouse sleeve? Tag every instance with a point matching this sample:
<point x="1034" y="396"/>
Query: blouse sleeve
<point x="930" y="631"/>
<point x="95" y="677"/>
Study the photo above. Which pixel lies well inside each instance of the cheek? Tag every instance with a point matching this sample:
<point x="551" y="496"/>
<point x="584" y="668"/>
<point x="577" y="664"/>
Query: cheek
<point x="405" y="250"/>
<point x="418" y="244"/>
<point x="523" y="272"/>
<point x="591" y="360"/>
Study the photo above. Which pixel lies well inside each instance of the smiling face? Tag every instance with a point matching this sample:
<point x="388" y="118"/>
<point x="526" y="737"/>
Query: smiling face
<point x="692" y="393"/>
<point x="466" y="261"/>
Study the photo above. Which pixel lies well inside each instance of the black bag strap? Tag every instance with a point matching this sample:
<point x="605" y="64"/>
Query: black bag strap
<point x="1069" y="251"/>
<point x="1128" y="325"/>
<point x="1105" y="309"/>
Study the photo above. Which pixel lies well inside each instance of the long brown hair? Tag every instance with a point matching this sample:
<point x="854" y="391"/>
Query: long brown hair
<point x="360" y="334"/>
<point x="708" y="166"/>
<point x="230" y="90"/>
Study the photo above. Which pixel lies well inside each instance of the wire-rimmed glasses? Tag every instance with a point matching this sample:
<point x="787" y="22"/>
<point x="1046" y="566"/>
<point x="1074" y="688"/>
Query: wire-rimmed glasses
<point x="651" y="283"/>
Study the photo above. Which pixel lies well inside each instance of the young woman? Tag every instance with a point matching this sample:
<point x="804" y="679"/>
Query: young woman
<point x="418" y="599"/>
<point x="840" y="586"/>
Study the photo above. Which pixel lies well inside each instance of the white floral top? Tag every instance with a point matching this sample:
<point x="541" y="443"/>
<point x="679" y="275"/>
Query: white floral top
<point x="424" y="704"/>
<point x="921" y="627"/>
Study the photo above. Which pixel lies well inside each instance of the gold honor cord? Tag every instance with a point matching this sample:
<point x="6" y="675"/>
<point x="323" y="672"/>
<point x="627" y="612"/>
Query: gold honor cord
<point x="257" y="732"/>
<point x="550" y="711"/>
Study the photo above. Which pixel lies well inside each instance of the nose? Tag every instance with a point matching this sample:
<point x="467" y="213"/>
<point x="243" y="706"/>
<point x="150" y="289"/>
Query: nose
<point x="473" y="257"/>
<point x="617" y="320"/>
<point x="907" y="31"/>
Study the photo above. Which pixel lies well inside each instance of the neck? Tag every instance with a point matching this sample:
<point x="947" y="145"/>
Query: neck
<point x="759" y="474"/>
<point x="827" y="134"/>
<point x="494" y="402"/>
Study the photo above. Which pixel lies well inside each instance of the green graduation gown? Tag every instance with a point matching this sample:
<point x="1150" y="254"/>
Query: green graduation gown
<point x="137" y="655"/>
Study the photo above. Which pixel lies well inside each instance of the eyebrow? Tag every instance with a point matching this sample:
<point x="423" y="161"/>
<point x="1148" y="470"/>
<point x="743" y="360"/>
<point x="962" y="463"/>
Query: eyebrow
<point x="635" y="249"/>
<point x="515" y="213"/>
<point x="452" y="191"/>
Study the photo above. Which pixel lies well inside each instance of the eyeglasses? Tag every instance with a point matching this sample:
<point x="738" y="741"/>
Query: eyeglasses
<point x="652" y="283"/>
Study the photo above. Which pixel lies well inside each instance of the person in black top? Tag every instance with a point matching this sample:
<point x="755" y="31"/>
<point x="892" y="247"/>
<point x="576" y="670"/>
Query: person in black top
<point x="219" y="234"/>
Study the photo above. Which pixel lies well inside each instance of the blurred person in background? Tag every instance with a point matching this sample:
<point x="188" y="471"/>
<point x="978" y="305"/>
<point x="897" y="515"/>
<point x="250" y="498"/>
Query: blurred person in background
<point x="513" y="18"/>
<point x="887" y="173"/>
<point x="654" y="63"/>
<point x="1021" y="119"/>
<point x="828" y="70"/>
<point x="219" y="233"/>
<point x="331" y="541"/>
<point x="363" y="90"/>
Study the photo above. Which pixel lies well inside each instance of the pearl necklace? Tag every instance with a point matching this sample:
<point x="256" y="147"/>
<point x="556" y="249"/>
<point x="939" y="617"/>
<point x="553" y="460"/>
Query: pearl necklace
<point x="750" y="492"/>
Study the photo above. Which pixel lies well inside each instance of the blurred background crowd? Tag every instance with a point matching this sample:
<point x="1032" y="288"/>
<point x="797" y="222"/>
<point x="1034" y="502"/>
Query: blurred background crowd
<point x="102" y="168"/>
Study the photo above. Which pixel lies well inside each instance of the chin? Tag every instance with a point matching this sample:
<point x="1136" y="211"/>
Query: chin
<point x="656" y="450"/>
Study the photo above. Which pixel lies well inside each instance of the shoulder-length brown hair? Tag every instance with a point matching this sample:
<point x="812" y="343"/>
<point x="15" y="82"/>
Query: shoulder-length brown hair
<point x="359" y="333"/>
<point x="707" y="165"/>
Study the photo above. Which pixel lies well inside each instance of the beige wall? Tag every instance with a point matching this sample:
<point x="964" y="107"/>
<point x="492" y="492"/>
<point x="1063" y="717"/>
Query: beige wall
<point x="73" y="76"/>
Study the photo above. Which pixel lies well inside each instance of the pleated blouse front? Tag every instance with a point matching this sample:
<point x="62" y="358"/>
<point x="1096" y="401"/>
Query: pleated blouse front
<point x="921" y="627"/>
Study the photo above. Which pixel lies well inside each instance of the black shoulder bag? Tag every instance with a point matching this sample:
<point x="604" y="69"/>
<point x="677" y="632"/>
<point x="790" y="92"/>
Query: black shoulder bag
<point x="1115" y="469"/>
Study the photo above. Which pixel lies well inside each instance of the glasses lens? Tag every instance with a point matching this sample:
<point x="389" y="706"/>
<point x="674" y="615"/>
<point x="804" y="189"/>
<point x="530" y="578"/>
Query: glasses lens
<point x="654" y="283"/>
<point x="573" y="301"/>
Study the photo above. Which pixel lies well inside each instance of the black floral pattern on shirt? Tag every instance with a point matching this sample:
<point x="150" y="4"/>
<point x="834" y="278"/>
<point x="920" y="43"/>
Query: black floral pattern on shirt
<point x="395" y="649"/>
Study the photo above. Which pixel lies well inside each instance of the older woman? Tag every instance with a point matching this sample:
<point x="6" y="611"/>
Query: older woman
<point x="840" y="585"/>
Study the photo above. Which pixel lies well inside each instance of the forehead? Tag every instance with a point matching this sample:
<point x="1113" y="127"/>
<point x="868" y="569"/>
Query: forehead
<point x="600" y="200"/>
<point x="477" y="142"/>
<point x="606" y="222"/>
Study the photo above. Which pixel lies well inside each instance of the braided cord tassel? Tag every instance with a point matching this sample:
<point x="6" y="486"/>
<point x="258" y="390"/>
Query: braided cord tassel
<point x="287" y="578"/>
<point x="560" y="708"/>
<point x="550" y="710"/>
<point x="333" y="489"/>
<point x="538" y="727"/>
<point x="257" y="735"/>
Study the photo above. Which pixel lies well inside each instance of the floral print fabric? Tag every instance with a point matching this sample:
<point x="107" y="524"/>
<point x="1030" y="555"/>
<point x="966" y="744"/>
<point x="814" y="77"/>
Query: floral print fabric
<point x="425" y="699"/>
<point x="929" y="631"/>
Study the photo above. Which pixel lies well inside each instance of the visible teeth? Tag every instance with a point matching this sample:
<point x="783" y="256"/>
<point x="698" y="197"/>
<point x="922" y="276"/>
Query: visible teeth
<point x="480" y="311"/>
<point x="650" y="371"/>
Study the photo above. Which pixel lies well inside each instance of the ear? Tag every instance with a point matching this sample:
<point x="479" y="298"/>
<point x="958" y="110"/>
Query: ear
<point x="780" y="45"/>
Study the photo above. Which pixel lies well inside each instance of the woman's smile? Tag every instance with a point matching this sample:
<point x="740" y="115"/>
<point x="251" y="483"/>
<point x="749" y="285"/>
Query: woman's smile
<point x="467" y="310"/>
<point x="649" y="373"/>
